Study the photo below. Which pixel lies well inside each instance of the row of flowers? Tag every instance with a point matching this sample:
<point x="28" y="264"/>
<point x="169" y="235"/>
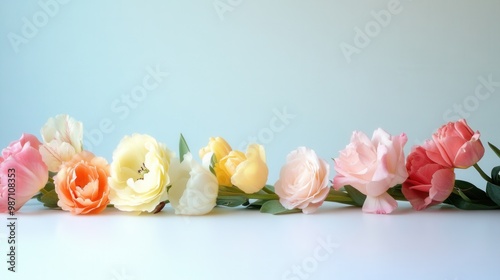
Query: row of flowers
<point x="145" y="175"/>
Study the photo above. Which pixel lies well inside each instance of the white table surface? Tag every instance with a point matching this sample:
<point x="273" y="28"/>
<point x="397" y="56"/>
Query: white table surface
<point x="337" y="242"/>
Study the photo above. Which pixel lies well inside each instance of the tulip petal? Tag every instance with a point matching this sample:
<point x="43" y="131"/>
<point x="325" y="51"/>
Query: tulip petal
<point x="442" y="184"/>
<point x="251" y="174"/>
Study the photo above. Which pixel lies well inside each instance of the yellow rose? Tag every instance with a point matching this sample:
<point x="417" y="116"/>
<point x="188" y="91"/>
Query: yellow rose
<point x="139" y="174"/>
<point x="226" y="167"/>
<point x="251" y="174"/>
<point x="218" y="146"/>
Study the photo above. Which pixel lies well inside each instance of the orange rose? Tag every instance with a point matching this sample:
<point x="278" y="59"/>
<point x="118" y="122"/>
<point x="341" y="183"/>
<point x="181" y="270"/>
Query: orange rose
<point x="82" y="184"/>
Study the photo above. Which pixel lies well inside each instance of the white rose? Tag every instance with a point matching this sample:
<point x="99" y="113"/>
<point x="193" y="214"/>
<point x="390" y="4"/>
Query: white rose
<point x="194" y="188"/>
<point x="139" y="173"/>
<point x="62" y="139"/>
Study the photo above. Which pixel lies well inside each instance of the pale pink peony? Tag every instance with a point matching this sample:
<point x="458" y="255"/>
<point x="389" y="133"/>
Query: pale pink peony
<point x="455" y="145"/>
<point x="429" y="183"/>
<point x="22" y="172"/>
<point x="372" y="167"/>
<point x="303" y="181"/>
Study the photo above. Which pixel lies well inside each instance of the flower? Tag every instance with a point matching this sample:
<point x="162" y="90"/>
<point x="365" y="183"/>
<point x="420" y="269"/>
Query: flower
<point x="372" y="167"/>
<point x="139" y="173"/>
<point x="428" y="183"/>
<point x="216" y="145"/>
<point x="455" y="145"/>
<point x="22" y="172"/>
<point x="251" y="174"/>
<point x="303" y="181"/>
<point x="194" y="188"/>
<point x="226" y="167"/>
<point x="247" y="171"/>
<point x="62" y="137"/>
<point x="82" y="184"/>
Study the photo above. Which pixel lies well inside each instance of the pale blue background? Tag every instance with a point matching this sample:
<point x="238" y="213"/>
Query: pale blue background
<point x="228" y="73"/>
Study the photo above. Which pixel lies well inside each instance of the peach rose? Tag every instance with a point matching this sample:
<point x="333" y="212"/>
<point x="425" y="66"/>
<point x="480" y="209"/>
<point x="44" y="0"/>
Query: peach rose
<point x="82" y="184"/>
<point x="429" y="183"/>
<point x="303" y="181"/>
<point x="455" y="145"/>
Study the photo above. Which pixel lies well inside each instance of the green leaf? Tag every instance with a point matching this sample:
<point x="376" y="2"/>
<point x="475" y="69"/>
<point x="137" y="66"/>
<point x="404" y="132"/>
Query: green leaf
<point x="274" y="207"/>
<point x="212" y="164"/>
<point x="493" y="192"/>
<point x="231" y="201"/>
<point x="495" y="175"/>
<point x="49" y="199"/>
<point x="183" y="147"/>
<point x="495" y="149"/>
<point x="356" y="195"/>
<point x="459" y="202"/>
<point x="397" y="193"/>
<point x="471" y="193"/>
<point x="257" y="204"/>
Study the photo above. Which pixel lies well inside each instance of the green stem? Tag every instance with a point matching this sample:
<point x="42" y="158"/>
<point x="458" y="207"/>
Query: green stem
<point x="267" y="190"/>
<point x="484" y="175"/>
<point x="333" y="196"/>
<point x="340" y="197"/>
<point x="251" y="196"/>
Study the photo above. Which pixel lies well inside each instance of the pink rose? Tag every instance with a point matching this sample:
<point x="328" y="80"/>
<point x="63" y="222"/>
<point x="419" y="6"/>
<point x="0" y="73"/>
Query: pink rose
<point x="82" y="184"/>
<point x="428" y="183"/>
<point x="22" y="172"/>
<point x="372" y="167"/>
<point x="303" y="181"/>
<point x="455" y="145"/>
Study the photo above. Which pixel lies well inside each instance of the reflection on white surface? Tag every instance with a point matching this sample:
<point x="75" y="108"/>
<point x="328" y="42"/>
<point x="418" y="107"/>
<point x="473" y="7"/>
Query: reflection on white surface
<point x="337" y="242"/>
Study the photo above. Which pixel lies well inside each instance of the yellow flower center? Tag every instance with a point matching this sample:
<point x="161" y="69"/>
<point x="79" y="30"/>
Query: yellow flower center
<point x="142" y="171"/>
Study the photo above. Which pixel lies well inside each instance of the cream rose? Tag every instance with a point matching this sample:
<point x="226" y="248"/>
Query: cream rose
<point x="303" y="181"/>
<point x="139" y="173"/>
<point x="62" y="139"/>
